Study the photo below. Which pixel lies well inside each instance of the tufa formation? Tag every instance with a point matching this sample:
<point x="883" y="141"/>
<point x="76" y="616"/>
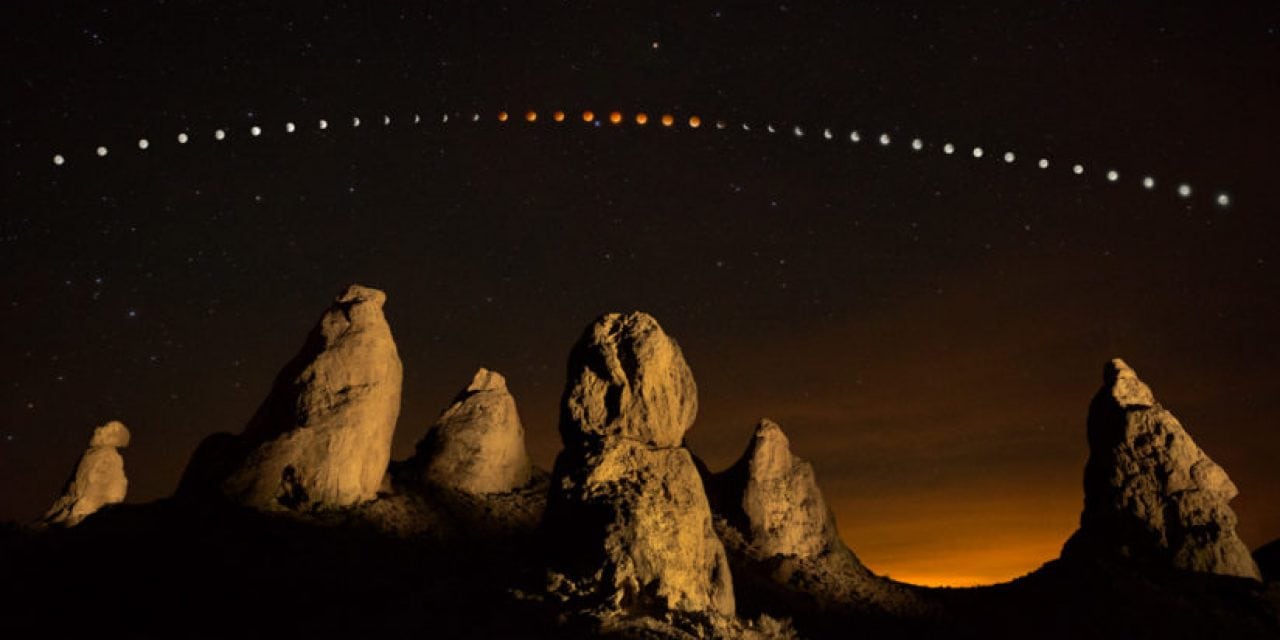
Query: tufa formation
<point x="323" y="435"/>
<point x="98" y="480"/>
<point x="1150" y="494"/>
<point x="477" y="444"/>
<point x="780" y="531"/>
<point x="628" y="522"/>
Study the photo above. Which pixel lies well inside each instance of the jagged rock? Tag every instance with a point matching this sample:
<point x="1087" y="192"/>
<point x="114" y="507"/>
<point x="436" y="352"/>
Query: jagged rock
<point x="782" y="538"/>
<point x="323" y="435"/>
<point x="627" y="518"/>
<point x="628" y="379"/>
<point x="775" y="499"/>
<point x="98" y="480"/>
<point x="1151" y="494"/>
<point x="477" y="444"/>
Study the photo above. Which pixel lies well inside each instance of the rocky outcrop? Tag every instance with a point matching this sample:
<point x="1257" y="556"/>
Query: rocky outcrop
<point x="1152" y="495"/>
<point x="782" y="538"/>
<point x="322" y="438"/>
<point x="98" y="480"/>
<point x="477" y="444"/>
<point x="628" y="521"/>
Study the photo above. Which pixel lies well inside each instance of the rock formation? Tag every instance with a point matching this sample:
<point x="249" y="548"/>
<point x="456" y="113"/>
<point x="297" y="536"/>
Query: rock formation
<point x="477" y="444"/>
<point x="782" y="537"/>
<point x="98" y="480"/>
<point x="628" y="520"/>
<point x="323" y="435"/>
<point x="1151" y="494"/>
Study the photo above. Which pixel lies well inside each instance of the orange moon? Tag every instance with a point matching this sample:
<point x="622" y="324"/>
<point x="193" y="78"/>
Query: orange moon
<point x="695" y="122"/>
<point x="668" y="120"/>
<point x="531" y="116"/>
<point x="502" y="116"/>
<point x="588" y="116"/>
<point x="642" y="118"/>
<point x="615" y="117"/>
<point x="558" y="116"/>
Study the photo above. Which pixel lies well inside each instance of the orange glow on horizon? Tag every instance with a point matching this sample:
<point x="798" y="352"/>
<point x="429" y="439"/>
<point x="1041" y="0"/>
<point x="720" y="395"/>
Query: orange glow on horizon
<point x="961" y="538"/>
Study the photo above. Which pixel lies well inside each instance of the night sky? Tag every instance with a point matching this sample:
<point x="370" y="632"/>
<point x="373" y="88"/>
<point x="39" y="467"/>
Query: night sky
<point x="928" y="328"/>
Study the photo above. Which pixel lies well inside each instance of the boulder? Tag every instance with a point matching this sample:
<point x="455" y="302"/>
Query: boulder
<point x="323" y="435"/>
<point x="97" y="481"/>
<point x="628" y="379"/>
<point x="628" y="521"/>
<point x="1150" y="494"/>
<point x="477" y="444"/>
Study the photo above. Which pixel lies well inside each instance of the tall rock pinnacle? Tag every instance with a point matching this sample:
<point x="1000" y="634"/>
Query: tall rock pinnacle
<point x="1151" y="494"/>
<point x="782" y="537"/>
<point x="627" y="517"/>
<point x="477" y="444"/>
<point x="98" y="480"/>
<point x="323" y="435"/>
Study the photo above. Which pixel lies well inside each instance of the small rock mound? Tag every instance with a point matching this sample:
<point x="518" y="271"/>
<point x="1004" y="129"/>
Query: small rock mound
<point x="782" y="537"/>
<point x="477" y="444"/>
<point x="1151" y="494"/>
<point x="628" y="521"/>
<point x="98" y="480"/>
<point x="323" y="435"/>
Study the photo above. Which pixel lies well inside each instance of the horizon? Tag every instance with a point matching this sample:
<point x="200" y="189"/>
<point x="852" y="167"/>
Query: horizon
<point x="887" y="247"/>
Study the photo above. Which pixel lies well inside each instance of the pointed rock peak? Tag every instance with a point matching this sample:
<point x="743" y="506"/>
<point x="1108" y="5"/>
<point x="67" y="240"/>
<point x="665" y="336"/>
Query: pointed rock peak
<point x="111" y="434"/>
<point x="323" y="434"/>
<point x="772" y="497"/>
<point x="1150" y="493"/>
<point x="477" y="445"/>
<point x="486" y="380"/>
<point x="1125" y="387"/>
<point x="98" y="479"/>
<point x="770" y="451"/>
<point x="629" y="379"/>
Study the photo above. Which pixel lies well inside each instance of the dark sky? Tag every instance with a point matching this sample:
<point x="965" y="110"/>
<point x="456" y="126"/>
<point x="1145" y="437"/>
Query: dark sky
<point x="927" y="328"/>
